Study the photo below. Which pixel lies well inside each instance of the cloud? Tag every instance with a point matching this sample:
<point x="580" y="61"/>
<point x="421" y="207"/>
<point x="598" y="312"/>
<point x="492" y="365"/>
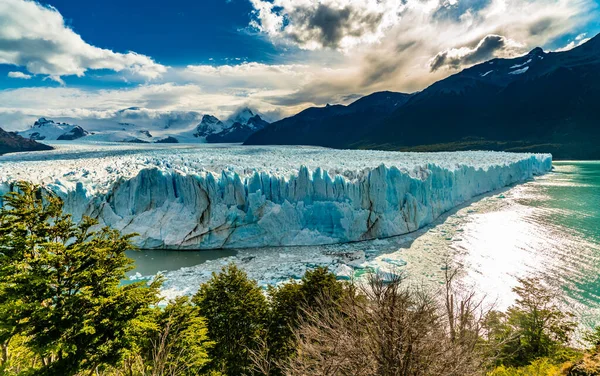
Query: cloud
<point x="36" y="37"/>
<point x="20" y="75"/>
<point x="331" y="51"/>
<point x="275" y="90"/>
<point x="578" y="41"/>
<point x="247" y="75"/>
<point x="336" y="24"/>
<point x="490" y="46"/>
<point x="401" y="45"/>
<point x="20" y="107"/>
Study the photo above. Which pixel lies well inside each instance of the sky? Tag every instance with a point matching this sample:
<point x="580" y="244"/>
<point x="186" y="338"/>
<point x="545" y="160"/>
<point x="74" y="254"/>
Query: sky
<point x="89" y="59"/>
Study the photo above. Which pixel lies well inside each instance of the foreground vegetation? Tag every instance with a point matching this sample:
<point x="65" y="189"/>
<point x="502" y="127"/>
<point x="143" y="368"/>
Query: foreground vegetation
<point x="64" y="311"/>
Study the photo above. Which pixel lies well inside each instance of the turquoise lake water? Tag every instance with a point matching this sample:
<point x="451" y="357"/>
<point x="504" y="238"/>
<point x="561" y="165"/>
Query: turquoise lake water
<point x="548" y="227"/>
<point x="568" y="207"/>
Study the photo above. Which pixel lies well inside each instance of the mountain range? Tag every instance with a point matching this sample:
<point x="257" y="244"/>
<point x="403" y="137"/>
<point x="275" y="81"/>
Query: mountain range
<point x="235" y="129"/>
<point x="134" y="126"/>
<point x="539" y="102"/>
<point x="332" y="125"/>
<point x="44" y="129"/>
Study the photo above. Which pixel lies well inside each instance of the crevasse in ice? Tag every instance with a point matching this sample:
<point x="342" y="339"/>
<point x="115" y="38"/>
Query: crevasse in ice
<point x="199" y="197"/>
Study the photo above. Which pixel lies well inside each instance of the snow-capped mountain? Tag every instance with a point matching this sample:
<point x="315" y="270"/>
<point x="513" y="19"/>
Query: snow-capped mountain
<point x="235" y="129"/>
<point x="140" y="125"/>
<point x="208" y="126"/>
<point x="133" y="124"/>
<point x="45" y="129"/>
<point x="49" y="130"/>
<point x="242" y="116"/>
<point x="127" y="135"/>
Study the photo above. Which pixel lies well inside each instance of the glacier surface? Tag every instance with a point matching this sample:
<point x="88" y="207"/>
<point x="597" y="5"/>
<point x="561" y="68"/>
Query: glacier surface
<point x="186" y="196"/>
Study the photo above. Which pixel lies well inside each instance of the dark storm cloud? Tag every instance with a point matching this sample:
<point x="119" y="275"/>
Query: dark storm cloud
<point x="486" y="49"/>
<point x="380" y="67"/>
<point x="327" y="25"/>
<point x="543" y="25"/>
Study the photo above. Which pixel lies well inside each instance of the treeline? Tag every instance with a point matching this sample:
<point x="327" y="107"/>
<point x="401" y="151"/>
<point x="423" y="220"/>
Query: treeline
<point x="65" y="311"/>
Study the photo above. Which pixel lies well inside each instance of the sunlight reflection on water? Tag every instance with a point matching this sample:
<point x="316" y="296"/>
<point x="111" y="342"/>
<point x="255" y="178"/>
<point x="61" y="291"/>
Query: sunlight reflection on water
<point x="548" y="227"/>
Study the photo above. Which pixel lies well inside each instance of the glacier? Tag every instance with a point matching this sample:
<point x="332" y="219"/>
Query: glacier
<point x="190" y="196"/>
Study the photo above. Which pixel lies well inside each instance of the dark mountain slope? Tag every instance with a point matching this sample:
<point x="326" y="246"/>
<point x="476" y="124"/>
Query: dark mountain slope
<point x="551" y="106"/>
<point x="11" y="142"/>
<point x="333" y="126"/>
<point x="544" y="102"/>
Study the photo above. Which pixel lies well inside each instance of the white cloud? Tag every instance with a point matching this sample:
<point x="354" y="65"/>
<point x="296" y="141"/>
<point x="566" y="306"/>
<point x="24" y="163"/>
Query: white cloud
<point x="390" y="46"/>
<point x="19" y="107"/>
<point x="248" y="75"/>
<point x="578" y="41"/>
<point x="20" y="75"/>
<point x="36" y="37"/>
<point x="334" y="50"/>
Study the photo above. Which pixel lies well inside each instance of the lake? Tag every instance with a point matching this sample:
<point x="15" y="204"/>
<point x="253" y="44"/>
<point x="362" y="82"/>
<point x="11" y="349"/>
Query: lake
<point x="548" y="227"/>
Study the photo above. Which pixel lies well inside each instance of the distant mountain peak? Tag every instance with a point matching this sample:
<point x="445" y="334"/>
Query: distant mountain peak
<point x="47" y="129"/>
<point x="236" y="128"/>
<point x="536" y="52"/>
<point x="129" y="109"/>
<point x="247" y="110"/>
<point x="209" y="125"/>
<point x="242" y="116"/>
<point x="209" y="119"/>
<point x="42" y="122"/>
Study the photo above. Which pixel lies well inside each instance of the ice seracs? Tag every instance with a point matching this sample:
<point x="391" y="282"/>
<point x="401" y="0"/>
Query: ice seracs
<point x="209" y="197"/>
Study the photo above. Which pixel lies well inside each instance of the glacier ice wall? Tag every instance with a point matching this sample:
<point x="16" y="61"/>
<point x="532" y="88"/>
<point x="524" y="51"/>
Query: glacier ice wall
<point x="172" y="207"/>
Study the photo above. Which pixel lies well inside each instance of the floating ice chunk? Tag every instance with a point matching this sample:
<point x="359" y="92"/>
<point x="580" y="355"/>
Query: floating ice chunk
<point x="395" y="262"/>
<point x="344" y="272"/>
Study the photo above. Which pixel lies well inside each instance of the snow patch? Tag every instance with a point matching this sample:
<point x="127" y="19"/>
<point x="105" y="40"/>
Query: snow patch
<point x="520" y="65"/>
<point x="519" y="71"/>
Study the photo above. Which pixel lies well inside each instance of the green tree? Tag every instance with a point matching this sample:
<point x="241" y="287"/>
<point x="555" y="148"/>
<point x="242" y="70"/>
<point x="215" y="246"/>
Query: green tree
<point x="592" y="338"/>
<point x="534" y="327"/>
<point x="60" y="284"/>
<point x="288" y="304"/>
<point x="235" y="310"/>
<point x="177" y="343"/>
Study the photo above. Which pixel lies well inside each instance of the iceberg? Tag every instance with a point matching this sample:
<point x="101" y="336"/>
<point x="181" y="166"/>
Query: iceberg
<point x="187" y="196"/>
